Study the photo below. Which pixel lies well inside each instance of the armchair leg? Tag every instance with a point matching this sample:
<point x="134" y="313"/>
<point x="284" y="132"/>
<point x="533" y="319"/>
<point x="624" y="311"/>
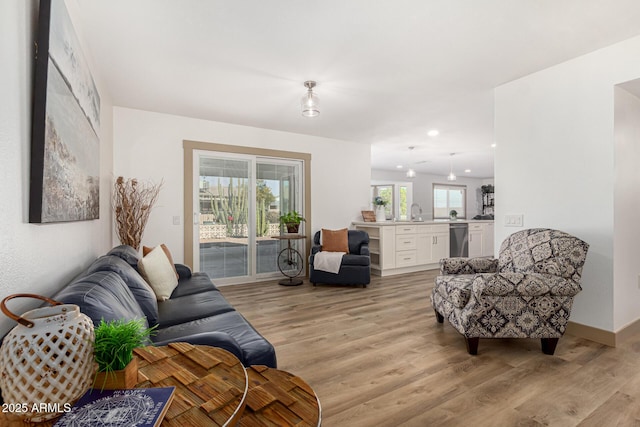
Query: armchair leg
<point x="472" y="345"/>
<point x="439" y="317"/>
<point x="549" y="345"/>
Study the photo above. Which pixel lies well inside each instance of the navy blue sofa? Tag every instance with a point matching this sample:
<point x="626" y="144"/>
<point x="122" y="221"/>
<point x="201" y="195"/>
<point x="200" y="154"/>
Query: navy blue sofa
<point x="355" y="268"/>
<point x="197" y="313"/>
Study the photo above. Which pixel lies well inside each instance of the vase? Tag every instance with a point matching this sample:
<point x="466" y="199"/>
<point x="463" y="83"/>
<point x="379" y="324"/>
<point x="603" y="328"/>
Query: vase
<point x="115" y="380"/>
<point x="292" y="228"/>
<point x="380" y="214"/>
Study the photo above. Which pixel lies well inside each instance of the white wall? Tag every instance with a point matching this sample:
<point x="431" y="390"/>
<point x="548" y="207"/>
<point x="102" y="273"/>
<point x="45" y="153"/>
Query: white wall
<point x="148" y="146"/>
<point x="554" y="163"/>
<point x="626" y="301"/>
<point x="423" y="189"/>
<point x="38" y="258"/>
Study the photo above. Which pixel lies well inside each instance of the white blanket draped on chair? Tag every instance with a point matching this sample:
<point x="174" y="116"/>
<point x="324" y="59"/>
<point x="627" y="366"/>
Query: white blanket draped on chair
<point x="328" y="261"/>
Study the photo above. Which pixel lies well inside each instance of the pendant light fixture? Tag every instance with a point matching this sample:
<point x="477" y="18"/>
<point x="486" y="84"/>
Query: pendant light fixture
<point x="411" y="173"/>
<point x="310" y="103"/>
<point x="451" y="176"/>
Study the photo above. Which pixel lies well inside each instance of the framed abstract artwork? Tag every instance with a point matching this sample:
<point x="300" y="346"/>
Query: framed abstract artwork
<point x="65" y="144"/>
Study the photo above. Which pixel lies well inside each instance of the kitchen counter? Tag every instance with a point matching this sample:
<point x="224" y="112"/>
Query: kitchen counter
<point x="430" y="222"/>
<point x="409" y="246"/>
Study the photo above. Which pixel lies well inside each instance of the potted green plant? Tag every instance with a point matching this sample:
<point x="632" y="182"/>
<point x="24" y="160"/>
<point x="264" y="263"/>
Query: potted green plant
<point x="113" y="352"/>
<point x="291" y="221"/>
<point x="453" y="214"/>
<point x="379" y="203"/>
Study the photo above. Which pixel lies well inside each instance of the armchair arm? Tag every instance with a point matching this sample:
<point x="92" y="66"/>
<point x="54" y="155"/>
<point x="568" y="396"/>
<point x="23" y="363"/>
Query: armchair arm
<point x="315" y="249"/>
<point x="518" y="284"/>
<point x="364" y="249"/>
<point x="468" y="265"/>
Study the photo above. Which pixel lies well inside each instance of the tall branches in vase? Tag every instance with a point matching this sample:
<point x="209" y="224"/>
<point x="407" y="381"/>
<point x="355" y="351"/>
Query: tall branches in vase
<point x="132" y="204"/>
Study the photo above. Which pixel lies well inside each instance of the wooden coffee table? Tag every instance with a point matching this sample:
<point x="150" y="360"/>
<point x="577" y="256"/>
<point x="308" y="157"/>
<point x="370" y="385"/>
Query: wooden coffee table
<point x="279" y="398"/>
<point x="211" y="383"/>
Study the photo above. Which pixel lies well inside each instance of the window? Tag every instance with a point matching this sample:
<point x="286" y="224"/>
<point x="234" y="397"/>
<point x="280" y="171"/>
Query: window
<point x="447" y="198"/>
<point x="386" y="192"/>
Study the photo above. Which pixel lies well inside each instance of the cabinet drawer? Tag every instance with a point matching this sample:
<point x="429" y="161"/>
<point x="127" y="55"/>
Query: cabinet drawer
<point x="405" y="229"/>
<point x="405" y="258"/>
<point x="475" y="226"/>
<point x="440" y="228"/>
<point x="405" y="242"/>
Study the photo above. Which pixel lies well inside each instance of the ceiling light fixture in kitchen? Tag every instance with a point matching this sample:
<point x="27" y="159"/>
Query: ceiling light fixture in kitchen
<point x="411" y="173"/>
<point x="451" y="176"/>
<point x="310" y="103"/>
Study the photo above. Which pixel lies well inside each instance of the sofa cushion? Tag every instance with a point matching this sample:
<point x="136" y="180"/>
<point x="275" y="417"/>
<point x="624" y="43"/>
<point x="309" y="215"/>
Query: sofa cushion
<point x="127" y="253"/>
<point x="334" y="240"/>
<point x="102" y="295"/>
<point x="140" y="289"/>
<point x="256" y="350"/>
<point x="165" y="249"/>
<point x="195" y="283"/>
<point x="159" y="273"/>
<point x="191" y="307"/>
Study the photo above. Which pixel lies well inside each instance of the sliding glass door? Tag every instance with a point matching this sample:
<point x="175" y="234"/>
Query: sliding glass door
<point x="239" y="201"/>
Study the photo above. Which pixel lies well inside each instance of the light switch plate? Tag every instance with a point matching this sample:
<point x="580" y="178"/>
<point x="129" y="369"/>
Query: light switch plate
<point x="514" y="220"/>
<point x="176" y="220"/>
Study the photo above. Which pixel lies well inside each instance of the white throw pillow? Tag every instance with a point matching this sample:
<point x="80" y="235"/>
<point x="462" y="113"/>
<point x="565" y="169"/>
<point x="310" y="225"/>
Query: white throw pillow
<point x="158" y="272"/>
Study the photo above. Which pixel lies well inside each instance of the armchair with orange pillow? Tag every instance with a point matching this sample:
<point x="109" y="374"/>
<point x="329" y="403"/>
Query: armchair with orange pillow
<point x="350" y="248"/>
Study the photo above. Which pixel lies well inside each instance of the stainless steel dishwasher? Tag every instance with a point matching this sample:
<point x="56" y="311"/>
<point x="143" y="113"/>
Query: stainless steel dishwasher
<point x="459" y="240"/>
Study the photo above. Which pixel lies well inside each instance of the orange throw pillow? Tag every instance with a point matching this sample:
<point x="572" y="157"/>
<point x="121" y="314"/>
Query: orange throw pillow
<point x="335" y="240"/>
<point x="146" y="250"/>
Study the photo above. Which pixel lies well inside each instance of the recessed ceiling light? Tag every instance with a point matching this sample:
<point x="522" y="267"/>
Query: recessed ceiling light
<point x="467" y="170"/>
<point x="399" y="166"/>
<point x="493" y="145"/>
<point x="433" y="132"/>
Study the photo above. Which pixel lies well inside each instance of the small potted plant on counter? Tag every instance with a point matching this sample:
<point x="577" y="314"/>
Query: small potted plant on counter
<point x="453" y="214"/>
<point x="291" y="221"/>
<point x="379" y="203"/>
<point x="113" y="351"/>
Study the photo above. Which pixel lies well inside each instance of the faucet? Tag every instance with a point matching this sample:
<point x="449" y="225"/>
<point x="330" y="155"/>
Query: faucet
<point x="413" y="215"/>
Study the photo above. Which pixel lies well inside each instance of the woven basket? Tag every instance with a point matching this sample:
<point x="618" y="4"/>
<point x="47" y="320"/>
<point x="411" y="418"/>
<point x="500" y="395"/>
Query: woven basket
<point x="47" y="358"/>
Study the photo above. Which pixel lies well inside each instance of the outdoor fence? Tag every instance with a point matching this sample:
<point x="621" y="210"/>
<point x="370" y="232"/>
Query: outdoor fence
<point x="211" y="231"/>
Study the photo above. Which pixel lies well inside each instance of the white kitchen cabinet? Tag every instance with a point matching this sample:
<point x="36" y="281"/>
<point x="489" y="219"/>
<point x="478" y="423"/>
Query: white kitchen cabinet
<point x="488" y="239"/>
<point x="398" y="248"/>
<point x="475" y="240"/>
<point x="440" y="243"/>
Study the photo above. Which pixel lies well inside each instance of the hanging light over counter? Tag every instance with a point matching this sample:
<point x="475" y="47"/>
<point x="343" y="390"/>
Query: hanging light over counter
<point x="451" y="176"/>
<point x="310" y="103"/>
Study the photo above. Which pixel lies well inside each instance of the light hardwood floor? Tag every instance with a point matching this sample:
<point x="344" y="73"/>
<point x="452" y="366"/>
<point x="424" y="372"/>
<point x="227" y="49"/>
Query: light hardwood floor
<point x="377" y="357"/>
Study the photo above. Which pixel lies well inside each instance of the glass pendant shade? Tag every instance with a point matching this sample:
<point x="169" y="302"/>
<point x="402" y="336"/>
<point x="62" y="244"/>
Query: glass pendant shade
<point x="411" y="173"/>
<point x="451" y="176"/>
<point x="310" y="103"/>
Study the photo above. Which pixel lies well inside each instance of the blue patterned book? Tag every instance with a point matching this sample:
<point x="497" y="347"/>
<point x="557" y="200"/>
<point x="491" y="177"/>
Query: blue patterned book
<point x="136" y="407"/>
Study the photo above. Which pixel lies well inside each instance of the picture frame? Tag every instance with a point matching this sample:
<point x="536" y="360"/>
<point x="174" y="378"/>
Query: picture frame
<point x="65" y="143"/>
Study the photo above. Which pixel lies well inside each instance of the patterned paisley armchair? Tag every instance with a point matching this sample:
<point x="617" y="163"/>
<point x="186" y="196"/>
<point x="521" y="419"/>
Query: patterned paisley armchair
<point x="526" y="293"/>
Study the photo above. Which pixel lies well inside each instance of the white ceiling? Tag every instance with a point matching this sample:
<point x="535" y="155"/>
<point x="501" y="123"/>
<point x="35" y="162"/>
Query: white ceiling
<point x="387" y="71"/>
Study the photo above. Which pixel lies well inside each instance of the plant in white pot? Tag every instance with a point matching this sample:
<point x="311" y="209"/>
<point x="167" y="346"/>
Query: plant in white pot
<point x="379" y="204"/>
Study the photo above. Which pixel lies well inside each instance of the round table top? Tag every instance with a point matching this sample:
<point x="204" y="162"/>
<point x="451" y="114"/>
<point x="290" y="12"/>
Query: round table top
<point x="277" y="397"/>
<point x="211" y="383"/>
<point x="289" y="236"/>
